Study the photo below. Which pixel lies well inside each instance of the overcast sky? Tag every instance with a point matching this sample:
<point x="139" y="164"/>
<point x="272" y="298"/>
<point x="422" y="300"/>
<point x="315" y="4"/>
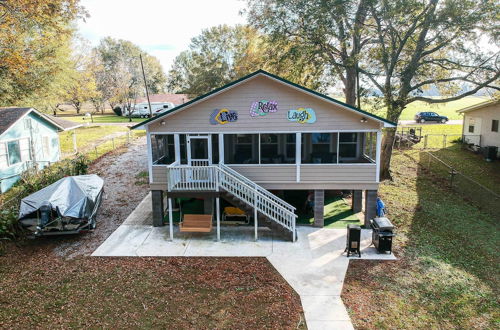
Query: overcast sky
<point x="163" y="28"/>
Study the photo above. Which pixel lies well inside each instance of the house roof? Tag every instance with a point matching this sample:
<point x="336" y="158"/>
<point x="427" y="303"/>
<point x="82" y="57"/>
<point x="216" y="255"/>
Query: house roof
<point x="272" y="76"/>
<point x="176" y="99"/>
<point x="479" y="106"/>
<point x="9" y="116"/>
<point x="65" y="124"/>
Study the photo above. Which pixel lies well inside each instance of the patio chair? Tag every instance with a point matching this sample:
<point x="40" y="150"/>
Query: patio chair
<point x="234" y="212"/>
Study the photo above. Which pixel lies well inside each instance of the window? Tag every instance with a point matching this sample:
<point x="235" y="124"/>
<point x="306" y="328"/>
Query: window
<point x="348" y="146"/>
<point x="269" y="149"/>
<point x="471" y="125"/>
<point x="241" y="148"/>
<point x="494" y="125"/>
<point x="3" y="156"/>
<point x="14" y="151"/>
<point x="46" y="147"/>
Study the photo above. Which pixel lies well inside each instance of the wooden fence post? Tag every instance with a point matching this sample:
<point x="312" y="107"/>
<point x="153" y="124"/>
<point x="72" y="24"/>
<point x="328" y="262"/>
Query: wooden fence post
<point x="75" y="147"/>
<point x="425" y="141"/>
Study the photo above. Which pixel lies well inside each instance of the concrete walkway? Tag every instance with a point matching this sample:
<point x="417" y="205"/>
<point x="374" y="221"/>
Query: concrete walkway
<point x="315" y="266"/>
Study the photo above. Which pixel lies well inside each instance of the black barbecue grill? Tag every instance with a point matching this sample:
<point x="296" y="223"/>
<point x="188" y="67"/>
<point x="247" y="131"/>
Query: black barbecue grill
<point x="383" y="232"/>
<point x="353" y="240"/>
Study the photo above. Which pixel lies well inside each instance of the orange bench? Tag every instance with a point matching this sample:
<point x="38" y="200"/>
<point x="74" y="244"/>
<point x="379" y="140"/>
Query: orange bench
<point x="196" y="223"/>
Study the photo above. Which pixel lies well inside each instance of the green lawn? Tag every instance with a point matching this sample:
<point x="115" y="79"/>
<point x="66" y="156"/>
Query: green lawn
<point x="448" y="109"/>
<point x="103" y="119"/>
<point x="470" y="164"/>
<point x="447" y="275"/>
<point x="337" y="214"/>
<point x="86" y="136"/>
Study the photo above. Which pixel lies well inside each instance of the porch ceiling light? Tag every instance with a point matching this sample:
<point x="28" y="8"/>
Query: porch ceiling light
<point x="163" y="122"/>
<point x="363" y="120"/>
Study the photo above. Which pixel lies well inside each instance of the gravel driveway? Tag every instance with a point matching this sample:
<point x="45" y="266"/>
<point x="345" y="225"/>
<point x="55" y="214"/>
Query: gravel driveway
<point x="123" y="191"/>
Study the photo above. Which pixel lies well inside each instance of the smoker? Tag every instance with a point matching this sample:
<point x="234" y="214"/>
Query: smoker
<point x="353" y="240"/>
<point x="383" y="232"/>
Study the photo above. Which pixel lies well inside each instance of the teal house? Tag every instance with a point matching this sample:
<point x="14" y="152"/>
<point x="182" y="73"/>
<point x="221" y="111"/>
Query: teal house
<point x="28" y="139"/>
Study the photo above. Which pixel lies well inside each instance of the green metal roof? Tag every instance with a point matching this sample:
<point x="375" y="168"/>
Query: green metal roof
<point x="199" y="98"/>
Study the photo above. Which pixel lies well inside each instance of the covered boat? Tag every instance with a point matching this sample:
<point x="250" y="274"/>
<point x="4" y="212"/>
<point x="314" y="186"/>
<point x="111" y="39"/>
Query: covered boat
<point x="67" y="206"/>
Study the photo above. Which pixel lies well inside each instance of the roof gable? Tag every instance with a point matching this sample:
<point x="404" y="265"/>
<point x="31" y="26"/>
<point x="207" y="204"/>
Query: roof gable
<point x="273" y="77"/>
<point x="10" y="116"/>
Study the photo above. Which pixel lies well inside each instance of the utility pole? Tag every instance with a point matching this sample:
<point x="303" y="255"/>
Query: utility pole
<point x="146" y="85"/>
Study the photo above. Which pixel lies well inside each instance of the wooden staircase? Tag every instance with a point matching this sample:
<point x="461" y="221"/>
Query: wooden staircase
<point x="263" y="220"/>
<point x="237" y="189"/>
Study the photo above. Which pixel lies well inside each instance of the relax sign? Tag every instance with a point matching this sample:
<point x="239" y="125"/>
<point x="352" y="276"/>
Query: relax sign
<point x="263" y="107"/>
<point x="302" y="115"/>
<point x="223" y="116"/>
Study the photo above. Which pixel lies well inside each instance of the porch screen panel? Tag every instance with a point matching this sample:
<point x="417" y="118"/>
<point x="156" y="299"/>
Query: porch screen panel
<point x="269" y="149"/>
<point x="348" y="147"/>
<point x="319" y="148"/>
<point x="163" y="149"/>
<point x="241" y="148"/>
<point x="369" y="146"/>
<point x="215" y="149"/>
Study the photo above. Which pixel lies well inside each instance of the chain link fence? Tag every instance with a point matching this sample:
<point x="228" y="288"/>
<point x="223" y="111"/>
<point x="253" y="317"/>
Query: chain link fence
<point x="471" y="190"/>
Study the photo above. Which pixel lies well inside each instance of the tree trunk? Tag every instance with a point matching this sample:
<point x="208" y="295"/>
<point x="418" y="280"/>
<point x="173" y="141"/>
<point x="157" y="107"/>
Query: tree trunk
<point x="387" y="145"/>
<point x="350" y="86"/>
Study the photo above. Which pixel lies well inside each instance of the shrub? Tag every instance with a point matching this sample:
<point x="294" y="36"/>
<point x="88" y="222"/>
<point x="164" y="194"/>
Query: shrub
<point x="117" y="110"/>
<point x="30" y="182"/>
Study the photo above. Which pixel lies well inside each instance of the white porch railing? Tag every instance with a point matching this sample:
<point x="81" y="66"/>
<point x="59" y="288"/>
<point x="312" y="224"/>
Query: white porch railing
<point x="215" y="177"/>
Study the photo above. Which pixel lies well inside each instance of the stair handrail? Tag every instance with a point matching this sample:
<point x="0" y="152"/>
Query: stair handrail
<point x="260" y="196"/>
<point x="258" y="187"/>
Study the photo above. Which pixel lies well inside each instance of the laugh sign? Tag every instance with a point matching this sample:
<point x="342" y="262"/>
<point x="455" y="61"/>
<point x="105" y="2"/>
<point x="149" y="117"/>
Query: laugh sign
<point x="263" y="107"/>
<point x="302" y="115"/>
<point x="223" y="116"/>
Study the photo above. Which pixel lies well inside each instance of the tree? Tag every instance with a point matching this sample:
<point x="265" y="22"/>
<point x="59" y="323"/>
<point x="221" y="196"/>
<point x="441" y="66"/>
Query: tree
<point x="215" y="58"/>
<point x="33" y="38"/>
<point x="81" y="86"/>
<point x="224" y="53"/>
<point x="118" y="73"/>
<point x="424" y="44"/>
<point x="328" y="33"/>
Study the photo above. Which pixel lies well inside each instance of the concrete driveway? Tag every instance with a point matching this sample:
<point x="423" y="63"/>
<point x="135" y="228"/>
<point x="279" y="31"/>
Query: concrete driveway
<point x="315" y="266"/>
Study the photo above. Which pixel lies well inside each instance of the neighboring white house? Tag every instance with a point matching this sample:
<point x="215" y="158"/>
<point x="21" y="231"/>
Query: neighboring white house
<point x="481" y="124"/>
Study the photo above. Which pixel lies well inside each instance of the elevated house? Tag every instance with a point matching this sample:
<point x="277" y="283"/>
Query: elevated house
<point x="27" y="138"/>
<point x="257" y="138"/>
<point x="481" y="124"/>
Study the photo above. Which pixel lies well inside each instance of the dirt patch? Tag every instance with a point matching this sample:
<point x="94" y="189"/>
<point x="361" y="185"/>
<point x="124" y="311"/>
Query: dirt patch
<point x="121" y="196"/>
<point x="53" y="282"/>
<point x="39" y="291"/>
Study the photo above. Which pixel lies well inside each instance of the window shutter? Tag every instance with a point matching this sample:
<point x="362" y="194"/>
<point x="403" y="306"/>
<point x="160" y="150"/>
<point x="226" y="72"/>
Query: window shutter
<point x="24" y="145"/>
<point x="3" y="156"/>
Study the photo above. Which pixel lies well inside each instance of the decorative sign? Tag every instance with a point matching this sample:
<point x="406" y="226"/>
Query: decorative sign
<point x="223" y="116"/>
<point x="302" y="115"/>
<point x="263" y="107"/>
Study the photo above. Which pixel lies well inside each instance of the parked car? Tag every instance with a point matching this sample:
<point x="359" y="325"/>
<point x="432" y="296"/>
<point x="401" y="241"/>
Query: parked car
<point x="422" y="117"/>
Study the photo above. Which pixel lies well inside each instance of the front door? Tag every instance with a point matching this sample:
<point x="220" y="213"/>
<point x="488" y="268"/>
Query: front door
<point x="199" y="150"/>
<point x="199" y="154"/>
